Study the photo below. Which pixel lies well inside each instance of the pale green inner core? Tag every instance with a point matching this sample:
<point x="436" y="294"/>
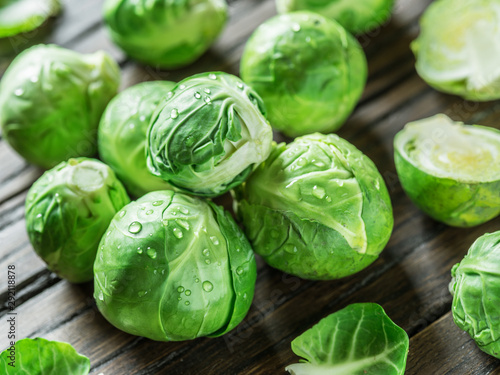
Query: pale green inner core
<point x="453" y="150"/>
<point x="86" y="177"/>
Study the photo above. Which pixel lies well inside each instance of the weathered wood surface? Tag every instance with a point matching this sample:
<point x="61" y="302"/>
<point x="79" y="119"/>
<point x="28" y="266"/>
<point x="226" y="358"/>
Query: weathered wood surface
<point x="410" y="279"/>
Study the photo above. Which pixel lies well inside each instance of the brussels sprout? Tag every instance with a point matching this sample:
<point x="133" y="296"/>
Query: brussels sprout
<point x="39" y="357"/>
<point x="475" y="287"/>
<point x="122" y="135"/>
<point x="450" y="170"/>
<point x="174" y="268"/>
<point x="165" y="33"/>
<point x="458" y="48"/>
<point x="355" y="16"/>
<point x="359" y="339"/>
<point x="24" y="21"/>
<point x="316" y="208"/>
<point x="308" y="70"/>
<point x="51" y="100"/>
<point x="208" y="134"/>
<point x="68" y="210"/>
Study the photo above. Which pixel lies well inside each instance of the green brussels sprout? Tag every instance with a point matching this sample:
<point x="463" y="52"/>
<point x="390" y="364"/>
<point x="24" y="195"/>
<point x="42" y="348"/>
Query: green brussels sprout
<point x="308" y="70"/>
<point x="208" y="134"/>
<point x="122" y="135"/>
<point x="475" y="287"/>
<point x="68" y="210"/>
<point x="51" y="100"/>
<point x="317" y="208"/>
<point x="24" y="21"/>
<point x="355" y="16"/>
<point x="40" y="357"/>
<point x="359" y="339"/>
<point x="172" y="267"/>
<point x="458" y="48"/>
<point x="450" y="170"/>
<point x="165" y="33"/>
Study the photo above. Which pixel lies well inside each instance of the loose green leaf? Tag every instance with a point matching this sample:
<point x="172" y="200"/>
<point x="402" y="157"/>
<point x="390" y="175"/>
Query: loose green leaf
<point x="42" y="357"/>
<point x="357" y="340"/>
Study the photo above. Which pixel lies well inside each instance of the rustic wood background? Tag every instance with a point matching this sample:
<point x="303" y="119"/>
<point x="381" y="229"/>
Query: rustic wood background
<point x="410" y="280"/>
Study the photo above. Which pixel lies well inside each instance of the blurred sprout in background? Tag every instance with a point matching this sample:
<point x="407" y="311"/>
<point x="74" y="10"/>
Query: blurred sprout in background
<point x="51" y="100"/>
<point x="24" y="23"/>
<point x="458" y="49"/>
<point x="316" y="208"/>
<point x="450" y="170"/>
<point x="164" y="33"/>
<point x="357" y="16"/>
<point x="208" y="134"/>
<point x="308" y="69"/>
<point x="122" y="135"/>
<point x="68" y="210"/>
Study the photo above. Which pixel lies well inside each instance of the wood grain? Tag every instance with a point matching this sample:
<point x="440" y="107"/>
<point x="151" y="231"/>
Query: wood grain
<point x="410" y="279"/>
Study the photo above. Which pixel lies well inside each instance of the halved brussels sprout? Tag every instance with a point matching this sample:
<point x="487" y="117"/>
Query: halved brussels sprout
<point x="164" y="33"/>
<point x="208" y="134"/>
<point x="308" y="70"/>
<point x="450" y="170"/>
<point x="359" y="339"/>
<point x="51" y="100"/>
<point x="475" y="287"/>
<point x="316" y="208"/>
<point x="122" y="135"/>
<point x="22" y="22"/>
<point x="355" y="16"/>
<point x="40" y="356"/>
<point x="458" y="48"/>
<point x="68" y="210"/>
<point x="172" y="267"/>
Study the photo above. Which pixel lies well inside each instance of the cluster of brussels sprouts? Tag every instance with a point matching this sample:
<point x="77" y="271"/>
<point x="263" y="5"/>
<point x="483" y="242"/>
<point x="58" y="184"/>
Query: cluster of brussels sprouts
<point x="174" y="266"/>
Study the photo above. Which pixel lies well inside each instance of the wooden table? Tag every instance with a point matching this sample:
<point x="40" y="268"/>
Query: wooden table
<point x="410" y="279"/>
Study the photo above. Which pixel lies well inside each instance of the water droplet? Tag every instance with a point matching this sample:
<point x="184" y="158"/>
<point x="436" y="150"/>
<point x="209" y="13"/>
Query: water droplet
<point x="187" y="303"/>
<point x="240" y="85"/>
<point x="157" y="203"/>
<point x="245" y="296"/>
<point x="182" y="87"/>
<point x="207" y="261"/>
<point x="119" y="247"/>
<point x="239" y="270"/>
<point x="183" y="223"/>
<point x="308" y="39"/>
<point x="377" y="184"/>
<point x="207" y="91"/>
<point x="19" y="92"/>
<point x="180" y="289"/>
<point x="318" y="192"/>
<point x="122" y="213"/>
<point x="179" y="298"/>
<point x="108" y="234"/>
<point x="131" y="125"/>
<point x="212" y="76"/>
<point x="149" y="212"/>
<point x="39" y="216"/>
<point x="178" y="233"/>
<point x="207" y="286"/>
<point x="238" y="250"/>
<point x="151" y="253"/>
<point x="319" y="164"/>
<point x="208" y="100"/>
<point x="295" y="249"/>
<point x="165" y="222"/>
<point x="301" y="162"/>
<point x="34" y="79"/>
<point x="328" y="199"/>
<point x="187" y="292"/>
<point x="296" y="27"/>
<point x="206" y="252"/>
<point x="197" y="95"/>
<point x="196" y="280"/>
<point x="184" y="210"/>
<point x="169" y="95"/>
<point x="139" y="250"/>
<point x="135" y="227"/>
<point x="174" y="113"/>
<point x="340" y="183"/>
<point x="142" y="293"/>
<point x="214" y="240"/>
<point x="155" y="271"/>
